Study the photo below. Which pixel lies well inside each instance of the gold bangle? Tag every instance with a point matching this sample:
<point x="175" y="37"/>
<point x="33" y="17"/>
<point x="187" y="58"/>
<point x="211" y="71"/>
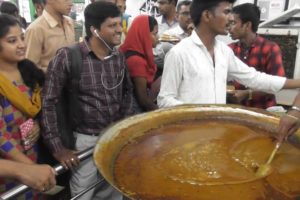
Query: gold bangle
<point x="292" y="116"/>
<point x="250" y="95"/>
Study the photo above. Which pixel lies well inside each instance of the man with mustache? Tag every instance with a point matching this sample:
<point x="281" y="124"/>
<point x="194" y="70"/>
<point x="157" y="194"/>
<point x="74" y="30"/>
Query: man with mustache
<point x="197" y="69"/>
<point x="105" y="95"/>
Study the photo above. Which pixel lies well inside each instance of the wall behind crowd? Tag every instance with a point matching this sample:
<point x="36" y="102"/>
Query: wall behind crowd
<point x="133" y="7"/>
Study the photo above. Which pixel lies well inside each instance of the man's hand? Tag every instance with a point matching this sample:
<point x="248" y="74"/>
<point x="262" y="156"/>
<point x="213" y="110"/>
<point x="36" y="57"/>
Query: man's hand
<point x="67" y="158"/>
<point x="190" y="28"/>
<point x="237" y="96"/>
<point x="288" y="125"/>
<point x="38" y="177"/>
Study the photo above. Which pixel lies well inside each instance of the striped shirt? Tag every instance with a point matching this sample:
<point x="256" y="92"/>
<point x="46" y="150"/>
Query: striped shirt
<point x="105" y="93"/>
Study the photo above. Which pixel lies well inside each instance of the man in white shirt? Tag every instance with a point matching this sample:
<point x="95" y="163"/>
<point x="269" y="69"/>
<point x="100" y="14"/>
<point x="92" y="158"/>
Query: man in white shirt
<point x="183" y="16"/>
<point x="196" y="70"/>
<point x="166" y="21"/>
<point x="167" y="18"/>
<point x="184" y="27"/>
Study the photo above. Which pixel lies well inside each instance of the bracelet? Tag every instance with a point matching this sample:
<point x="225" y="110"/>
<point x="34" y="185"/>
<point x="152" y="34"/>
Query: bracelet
<point x="250" y="96"/>
<point x="291" y="116"/>
<point x="295" y="108"/>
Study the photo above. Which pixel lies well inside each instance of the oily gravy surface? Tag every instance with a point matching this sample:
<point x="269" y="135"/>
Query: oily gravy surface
<point x="206" y="159"/>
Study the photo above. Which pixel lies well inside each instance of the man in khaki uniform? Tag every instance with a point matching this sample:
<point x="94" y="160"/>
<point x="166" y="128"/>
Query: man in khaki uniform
<point x="50" y="32"/>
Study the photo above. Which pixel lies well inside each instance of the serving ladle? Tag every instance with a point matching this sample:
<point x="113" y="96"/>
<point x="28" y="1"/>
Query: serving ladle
<point x="266" y="169"/>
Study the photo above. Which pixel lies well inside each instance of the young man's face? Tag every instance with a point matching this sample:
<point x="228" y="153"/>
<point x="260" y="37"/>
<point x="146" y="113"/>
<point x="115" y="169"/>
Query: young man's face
<point x="121" y="4"/>
<point x="220" y="18"/>
<point x="164" y="6"/>
<point x="237" y="28"/>
<point x="111" y="31"/>
<point x="184" y="17"/>
<point x="62" y="7"/>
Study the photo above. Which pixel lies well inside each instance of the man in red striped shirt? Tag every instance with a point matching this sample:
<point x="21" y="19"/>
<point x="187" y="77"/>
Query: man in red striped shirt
<point x="255" y="51"/>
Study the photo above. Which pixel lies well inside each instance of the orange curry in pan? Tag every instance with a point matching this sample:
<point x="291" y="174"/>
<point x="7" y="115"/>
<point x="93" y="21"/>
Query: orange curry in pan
<point x="206" y="159"/>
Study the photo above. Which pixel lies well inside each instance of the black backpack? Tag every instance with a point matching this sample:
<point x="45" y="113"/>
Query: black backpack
<point x="67" y="108"/>
<point x="68" y="117"/>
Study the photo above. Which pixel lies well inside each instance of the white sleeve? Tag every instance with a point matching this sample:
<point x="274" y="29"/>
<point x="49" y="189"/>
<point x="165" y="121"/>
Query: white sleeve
<point x="253" y="79"/>
<point x="171" y="80"/>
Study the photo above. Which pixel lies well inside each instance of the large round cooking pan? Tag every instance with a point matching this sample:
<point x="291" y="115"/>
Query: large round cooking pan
<point x="117" y="136"/>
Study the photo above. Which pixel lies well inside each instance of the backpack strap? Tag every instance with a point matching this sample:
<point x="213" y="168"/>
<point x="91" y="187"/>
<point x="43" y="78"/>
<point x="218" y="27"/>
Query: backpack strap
<point x="130" y="53"/>
<point x="73" y="85"/>
<point x="67" y="108"/>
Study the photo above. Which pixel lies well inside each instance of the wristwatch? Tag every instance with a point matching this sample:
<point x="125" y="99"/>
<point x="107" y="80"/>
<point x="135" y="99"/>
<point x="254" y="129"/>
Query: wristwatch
<point x="295" y="108"/>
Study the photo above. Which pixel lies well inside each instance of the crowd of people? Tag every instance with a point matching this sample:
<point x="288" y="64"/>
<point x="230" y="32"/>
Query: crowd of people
<point x="126" y="66"/>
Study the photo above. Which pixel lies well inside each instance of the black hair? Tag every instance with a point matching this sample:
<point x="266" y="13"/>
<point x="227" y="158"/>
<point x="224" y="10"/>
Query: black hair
<point x="9" y="8"/>
<point x="248" y="12"/>
<point x="182" y="3"/>
<point x="199" y="6"/>
<point x="152" y="23"/>
<point x="175" y="2"/>
<point x="96" y="13"/>
<point x="31" y="74"/>
<point x="6" y="22"/>
<point x="29" y="71"/>
<point x="39" y="1"/>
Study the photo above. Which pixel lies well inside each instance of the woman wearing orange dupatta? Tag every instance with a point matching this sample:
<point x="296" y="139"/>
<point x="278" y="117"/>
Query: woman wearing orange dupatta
<point x="140" y="39"/>
<point x="20" y="82"/>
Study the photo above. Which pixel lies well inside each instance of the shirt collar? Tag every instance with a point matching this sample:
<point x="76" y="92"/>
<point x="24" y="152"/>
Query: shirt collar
<point x="179" y="30"/>
<point x="164" y="20"/>
<point x="256" y="42"/>
<point x="86" y="50"/>
<point x="196" y="39"/>
<point x="51" y="20"/>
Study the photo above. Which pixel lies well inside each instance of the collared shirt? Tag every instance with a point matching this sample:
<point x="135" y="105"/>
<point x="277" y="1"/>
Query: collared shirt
<point x="105" y="92"/>
<point x="191" y="76"/>
<point x="177" y="31"/>
<point x="163" y="24"/>
<point x="44" y="37"/>
<point x="264" y="56"/>
<point x="159" y="51"/>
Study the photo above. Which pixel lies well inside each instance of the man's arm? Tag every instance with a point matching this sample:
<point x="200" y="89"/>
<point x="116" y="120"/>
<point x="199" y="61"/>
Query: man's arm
<point x="34" y="42"/>
<point x="56" y="78"/>
<point x="171" y="80"/>
<point x="289" y="123"/>
<point x="38" y="177"/>
<point x="291" y="84"/>
<point x="253" y="79"/>
<point x="273" y="66"/>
